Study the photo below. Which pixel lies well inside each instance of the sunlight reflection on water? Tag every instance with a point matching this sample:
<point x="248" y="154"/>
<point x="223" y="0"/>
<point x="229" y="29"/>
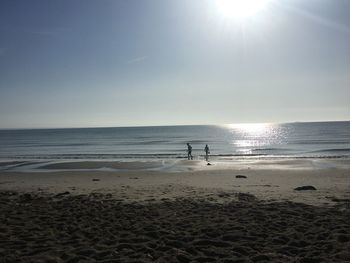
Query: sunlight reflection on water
<point x="254" y="129"/>
<point x="249" y="136"/>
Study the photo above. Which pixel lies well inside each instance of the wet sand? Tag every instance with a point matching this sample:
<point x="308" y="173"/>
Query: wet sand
<point x="266" y="182"/>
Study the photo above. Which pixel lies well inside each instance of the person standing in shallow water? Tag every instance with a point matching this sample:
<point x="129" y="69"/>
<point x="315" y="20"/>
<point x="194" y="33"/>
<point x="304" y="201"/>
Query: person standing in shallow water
<point x="189" y="152"/>
<point x="207" y="151"/>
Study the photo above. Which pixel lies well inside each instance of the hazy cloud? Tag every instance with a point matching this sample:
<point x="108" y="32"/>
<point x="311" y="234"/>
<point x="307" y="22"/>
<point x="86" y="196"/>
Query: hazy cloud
<point x="136" y="60"/>
<point x="320" y="20"/>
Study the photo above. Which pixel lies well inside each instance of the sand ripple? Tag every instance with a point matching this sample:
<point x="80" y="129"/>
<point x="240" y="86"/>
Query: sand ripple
<point x="97" y="228"/>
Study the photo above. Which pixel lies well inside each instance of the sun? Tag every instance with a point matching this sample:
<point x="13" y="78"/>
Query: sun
<point x="241" y="8"/>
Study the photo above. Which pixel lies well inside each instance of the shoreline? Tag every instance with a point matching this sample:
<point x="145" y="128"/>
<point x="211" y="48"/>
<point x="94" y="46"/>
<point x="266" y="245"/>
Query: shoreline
<point x="180" y="165"/>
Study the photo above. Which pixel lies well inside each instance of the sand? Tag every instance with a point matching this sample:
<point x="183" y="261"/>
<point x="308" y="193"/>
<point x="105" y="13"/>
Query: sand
<point x="268" y="180"/>
<point x="194" y="213"/>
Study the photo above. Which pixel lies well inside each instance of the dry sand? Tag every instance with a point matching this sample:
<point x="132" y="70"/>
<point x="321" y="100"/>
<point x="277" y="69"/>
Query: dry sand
<point x="194" y="213"/>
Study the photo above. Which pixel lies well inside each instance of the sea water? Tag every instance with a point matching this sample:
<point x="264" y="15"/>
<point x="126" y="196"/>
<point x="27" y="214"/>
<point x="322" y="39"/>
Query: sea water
<point x="292" y="140"/>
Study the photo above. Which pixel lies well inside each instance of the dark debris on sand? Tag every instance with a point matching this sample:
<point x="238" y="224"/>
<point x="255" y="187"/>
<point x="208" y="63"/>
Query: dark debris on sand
<point x="239" y="176"/>
<point x="305" y="188"/>
<point x="96" y="228"/>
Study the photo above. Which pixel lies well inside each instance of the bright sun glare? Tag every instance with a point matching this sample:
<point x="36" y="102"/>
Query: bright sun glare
<point x="241" y="8"/>
<point x="251" y="128"/>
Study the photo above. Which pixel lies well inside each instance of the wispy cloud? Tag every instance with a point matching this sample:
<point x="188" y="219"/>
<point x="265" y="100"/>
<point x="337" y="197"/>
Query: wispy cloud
<point x="136" y="60"/>
<point x="49" y="31"/>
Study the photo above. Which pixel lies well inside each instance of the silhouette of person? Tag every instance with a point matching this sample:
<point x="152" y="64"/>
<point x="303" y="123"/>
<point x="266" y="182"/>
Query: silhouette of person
<point x="189" y="152"/>
<point x="207" y="151"/>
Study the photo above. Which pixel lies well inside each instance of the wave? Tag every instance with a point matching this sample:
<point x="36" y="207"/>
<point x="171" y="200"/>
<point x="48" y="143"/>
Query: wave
<point x="317" y="142"/>
<point x="333" y="150"/>
<point x="271" y="149"/>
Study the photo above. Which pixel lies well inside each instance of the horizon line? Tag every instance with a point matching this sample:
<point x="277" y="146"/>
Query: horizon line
<point x="167" y="125"/>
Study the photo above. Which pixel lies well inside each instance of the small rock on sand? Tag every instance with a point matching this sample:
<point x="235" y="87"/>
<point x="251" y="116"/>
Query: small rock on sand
<point x="305" y="188"/>
<point x="241" y="176"/>
<point x="95" y="180"/>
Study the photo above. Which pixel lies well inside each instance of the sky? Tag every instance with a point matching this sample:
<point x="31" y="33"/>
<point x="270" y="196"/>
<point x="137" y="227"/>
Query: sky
<point x="99" y="63"/>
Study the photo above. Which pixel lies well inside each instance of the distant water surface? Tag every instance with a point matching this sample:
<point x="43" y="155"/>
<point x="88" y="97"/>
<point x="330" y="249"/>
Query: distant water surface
<point x="296" y="140"/>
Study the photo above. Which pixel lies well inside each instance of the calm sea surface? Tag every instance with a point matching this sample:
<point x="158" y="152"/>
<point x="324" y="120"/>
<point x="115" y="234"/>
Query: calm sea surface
<point x="300" y="140"/>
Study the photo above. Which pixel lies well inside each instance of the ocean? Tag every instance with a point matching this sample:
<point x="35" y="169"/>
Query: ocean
<point x="292" y="140"/>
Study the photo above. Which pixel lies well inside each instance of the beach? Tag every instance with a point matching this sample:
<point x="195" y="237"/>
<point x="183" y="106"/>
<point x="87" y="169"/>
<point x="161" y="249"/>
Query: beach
<point x="187" y="211"/>
<point x="175" y="131"/>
